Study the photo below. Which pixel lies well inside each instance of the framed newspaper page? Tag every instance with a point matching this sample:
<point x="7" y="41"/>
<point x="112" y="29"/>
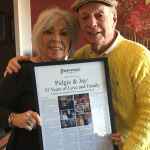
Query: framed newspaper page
<point x="73" y="99"/>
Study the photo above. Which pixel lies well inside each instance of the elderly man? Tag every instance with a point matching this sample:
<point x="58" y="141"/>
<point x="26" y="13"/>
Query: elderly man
<point x="129" y="65"/>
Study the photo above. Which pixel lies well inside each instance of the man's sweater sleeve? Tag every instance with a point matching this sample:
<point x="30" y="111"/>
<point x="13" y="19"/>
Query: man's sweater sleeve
<point x="140" y="77"/>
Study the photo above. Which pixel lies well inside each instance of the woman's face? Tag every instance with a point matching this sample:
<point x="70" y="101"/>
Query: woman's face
<point x="56" y="42"/>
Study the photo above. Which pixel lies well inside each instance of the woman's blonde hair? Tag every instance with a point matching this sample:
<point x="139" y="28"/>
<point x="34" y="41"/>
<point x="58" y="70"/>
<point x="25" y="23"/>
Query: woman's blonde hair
<point x="46" y="20"/>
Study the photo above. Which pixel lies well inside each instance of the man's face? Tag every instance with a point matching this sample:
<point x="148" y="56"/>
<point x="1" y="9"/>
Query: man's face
<point x="97" y="23"/>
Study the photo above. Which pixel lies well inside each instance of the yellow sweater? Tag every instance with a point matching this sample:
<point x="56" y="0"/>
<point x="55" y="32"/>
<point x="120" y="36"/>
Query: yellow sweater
<point x="129" y="65"/>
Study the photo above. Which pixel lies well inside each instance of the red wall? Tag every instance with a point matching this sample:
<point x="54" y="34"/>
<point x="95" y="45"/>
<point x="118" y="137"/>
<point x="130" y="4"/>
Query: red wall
<point x="37" y="6"/>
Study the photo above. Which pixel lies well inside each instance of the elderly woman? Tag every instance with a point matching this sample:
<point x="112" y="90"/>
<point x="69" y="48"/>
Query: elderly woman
<point x="55" y="37"/>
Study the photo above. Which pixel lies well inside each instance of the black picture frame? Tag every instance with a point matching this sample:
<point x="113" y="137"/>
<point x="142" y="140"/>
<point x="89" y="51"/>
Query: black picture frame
<point x="60" y="65"/>
<point x="11" y="29"/>
<point x="3" y="34"/>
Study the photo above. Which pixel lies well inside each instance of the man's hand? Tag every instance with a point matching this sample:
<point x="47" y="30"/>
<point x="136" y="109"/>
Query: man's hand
<point x="13" y="65"/>
<point x="116" y="138"/>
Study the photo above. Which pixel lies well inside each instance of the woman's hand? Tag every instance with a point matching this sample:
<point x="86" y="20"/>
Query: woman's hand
<point x="116" y="138"/>
<point x="21" y="120"/>
<point x="13" y="64"/>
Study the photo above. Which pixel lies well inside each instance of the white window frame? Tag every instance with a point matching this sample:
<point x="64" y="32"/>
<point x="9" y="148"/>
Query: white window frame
<point x="22" y="20"/>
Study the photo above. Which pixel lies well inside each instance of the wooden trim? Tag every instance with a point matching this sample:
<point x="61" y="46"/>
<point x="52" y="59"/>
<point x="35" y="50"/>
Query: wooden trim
<point x="4" y="141"/>
<point x="3" y="148"/>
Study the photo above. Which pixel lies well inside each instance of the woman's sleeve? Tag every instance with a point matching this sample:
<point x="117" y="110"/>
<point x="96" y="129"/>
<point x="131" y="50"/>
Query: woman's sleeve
<point x="10" y="92"/>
